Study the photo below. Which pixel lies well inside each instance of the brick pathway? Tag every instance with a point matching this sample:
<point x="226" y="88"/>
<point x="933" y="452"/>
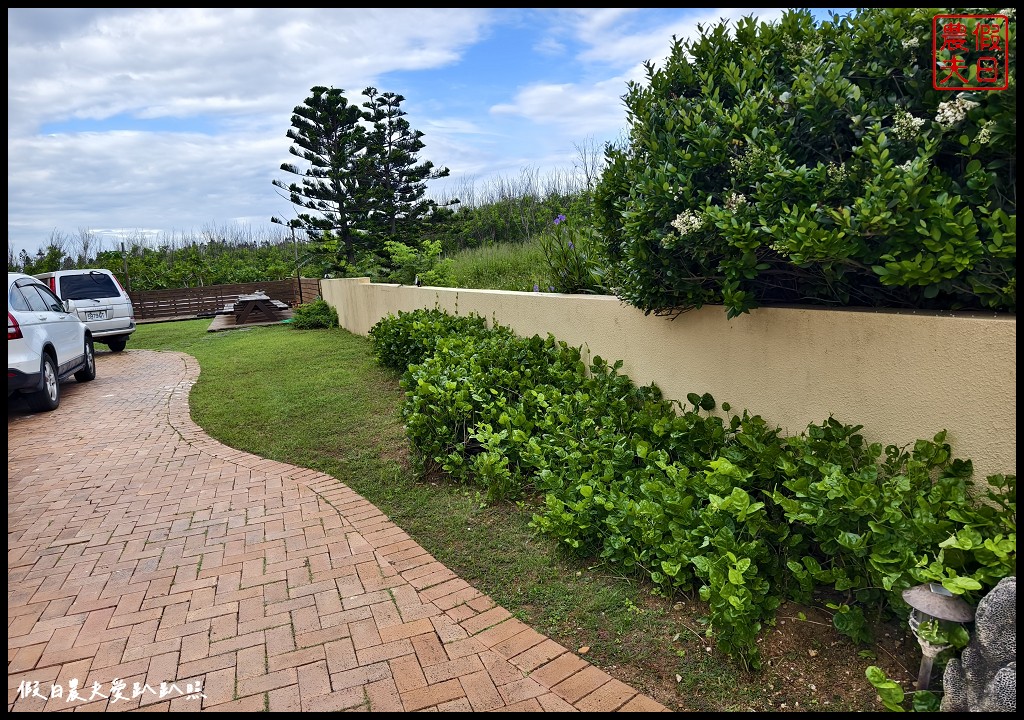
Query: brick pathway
<point x="141" y="550"/>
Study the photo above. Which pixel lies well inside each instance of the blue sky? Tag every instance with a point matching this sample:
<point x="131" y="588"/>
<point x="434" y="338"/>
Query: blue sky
<point x="165" y="123"/>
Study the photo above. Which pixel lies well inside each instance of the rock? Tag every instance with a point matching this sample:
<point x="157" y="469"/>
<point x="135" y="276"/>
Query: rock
<point x="984" y="677"/>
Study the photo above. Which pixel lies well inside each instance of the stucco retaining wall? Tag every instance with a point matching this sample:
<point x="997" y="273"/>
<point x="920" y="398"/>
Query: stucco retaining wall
<point x="902" y="375"/>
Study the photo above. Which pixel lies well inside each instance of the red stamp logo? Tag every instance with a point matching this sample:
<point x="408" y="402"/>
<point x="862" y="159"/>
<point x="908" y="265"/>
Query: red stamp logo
<point x="969" y="52"/>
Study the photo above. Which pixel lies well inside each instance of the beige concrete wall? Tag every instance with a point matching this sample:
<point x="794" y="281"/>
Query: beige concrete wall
<point x="903" y="376"/>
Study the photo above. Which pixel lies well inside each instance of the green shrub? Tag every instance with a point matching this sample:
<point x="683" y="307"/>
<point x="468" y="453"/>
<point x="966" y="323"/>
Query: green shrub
<point x="409" y="337"/>
<point x="421" y="264"/>
<point x="694" y="500"/>
<point x="315" y="314"/>
<point x="471" y="404"/>
<point x="791" y="162"/>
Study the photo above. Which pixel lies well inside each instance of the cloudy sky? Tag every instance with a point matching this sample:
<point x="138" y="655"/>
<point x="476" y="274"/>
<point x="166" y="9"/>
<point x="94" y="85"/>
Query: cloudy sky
<point x="162" y="122"/>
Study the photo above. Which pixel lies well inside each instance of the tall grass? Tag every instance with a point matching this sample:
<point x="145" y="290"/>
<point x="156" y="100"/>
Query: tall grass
<point x="508" y="266"/>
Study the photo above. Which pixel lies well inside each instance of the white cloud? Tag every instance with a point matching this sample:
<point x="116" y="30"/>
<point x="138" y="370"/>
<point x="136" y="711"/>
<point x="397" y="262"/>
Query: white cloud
<point x="167" y="119"/>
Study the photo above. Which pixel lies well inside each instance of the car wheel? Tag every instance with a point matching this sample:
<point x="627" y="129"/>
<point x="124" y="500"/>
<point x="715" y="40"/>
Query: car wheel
<point x="89" y="371"/>
<point x="116" y="344"/>
<point x="49" y="397"/>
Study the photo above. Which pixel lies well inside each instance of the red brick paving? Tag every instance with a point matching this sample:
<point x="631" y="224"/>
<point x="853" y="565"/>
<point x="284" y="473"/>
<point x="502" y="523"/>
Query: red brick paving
<point x="144" y="554"/>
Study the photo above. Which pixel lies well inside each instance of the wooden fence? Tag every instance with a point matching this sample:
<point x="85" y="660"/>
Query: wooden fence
<point x="208" y="301"/>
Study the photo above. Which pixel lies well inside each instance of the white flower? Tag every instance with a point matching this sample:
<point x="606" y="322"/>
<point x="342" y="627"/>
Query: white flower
<point x="735" y="200"/>
<point x="751" y="159"/>
<point x="910" y="42"/>
<point x="985" y="134"/>
<point x="907" y="166"/>
<point x="687" y="222"/>
<point x="954" y="112"/>
<point x="905" y="125"/>
<point x="837" y="173"/>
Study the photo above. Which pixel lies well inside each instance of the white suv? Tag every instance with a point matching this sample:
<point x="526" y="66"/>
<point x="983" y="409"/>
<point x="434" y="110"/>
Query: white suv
<point x="46" y="343"/>
<point x="99" y="300"/>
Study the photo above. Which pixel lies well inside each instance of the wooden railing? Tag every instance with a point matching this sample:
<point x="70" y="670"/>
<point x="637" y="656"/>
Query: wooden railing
<point x="208" y="301"/>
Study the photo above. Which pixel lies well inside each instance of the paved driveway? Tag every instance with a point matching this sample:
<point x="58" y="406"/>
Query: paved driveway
<point x="149" y="565"/>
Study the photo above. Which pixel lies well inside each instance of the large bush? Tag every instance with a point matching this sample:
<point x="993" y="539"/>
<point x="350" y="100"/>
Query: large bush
<point x="813" y="164"/>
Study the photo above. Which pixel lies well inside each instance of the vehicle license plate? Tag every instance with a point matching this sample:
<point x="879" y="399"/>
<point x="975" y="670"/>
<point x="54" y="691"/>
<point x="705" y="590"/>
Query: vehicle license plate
<point x="95" y="315"/>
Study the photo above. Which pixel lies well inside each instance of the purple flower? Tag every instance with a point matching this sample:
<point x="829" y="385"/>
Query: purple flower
<point x="559" y="219"/>
<point x="571" y="246"/>
<point x="536" y="287"/>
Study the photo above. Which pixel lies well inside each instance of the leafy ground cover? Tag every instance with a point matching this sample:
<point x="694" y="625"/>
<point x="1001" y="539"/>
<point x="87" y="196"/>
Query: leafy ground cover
<point x="326" y="404"/>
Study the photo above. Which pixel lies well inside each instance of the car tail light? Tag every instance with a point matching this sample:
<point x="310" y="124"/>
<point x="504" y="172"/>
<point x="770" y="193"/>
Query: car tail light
<point x="52" y="282"/>
<point x="131" y="307"/>
<point x="13" y="329"/>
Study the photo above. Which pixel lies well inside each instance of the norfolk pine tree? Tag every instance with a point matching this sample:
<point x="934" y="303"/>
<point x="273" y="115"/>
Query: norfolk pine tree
<point x="327" y="132"/>
<point x="363" y="180"/>
<point x="398" y="183"/>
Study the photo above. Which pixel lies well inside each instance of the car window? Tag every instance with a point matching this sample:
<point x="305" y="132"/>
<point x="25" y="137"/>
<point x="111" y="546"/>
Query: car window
<point x="41" y="299"/>
<point x="35" y="301"/>
<point x="88" y="286"/>
<point x="53" y="302"/>
<point x="16" y="300"/>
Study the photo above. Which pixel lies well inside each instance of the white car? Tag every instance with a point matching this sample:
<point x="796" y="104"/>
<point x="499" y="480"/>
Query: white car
<point x="46" y="343"/>
<point x="100" y="301"/>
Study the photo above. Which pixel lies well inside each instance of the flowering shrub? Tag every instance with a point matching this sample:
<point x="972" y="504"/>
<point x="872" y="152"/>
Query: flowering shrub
<point x="954" y="112"/>
<point x="797" y="162"/>
<point x="905" y="126"/>
<point x="574" y="257"/>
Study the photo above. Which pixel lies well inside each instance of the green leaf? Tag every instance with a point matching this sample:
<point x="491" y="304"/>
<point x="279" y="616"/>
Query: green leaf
<point x="889" y="692"/>
<point x="875" y="674"/>
<point x="960" y="585"/>
<point x="642" y="448"/>
<point x="926" y="701"/>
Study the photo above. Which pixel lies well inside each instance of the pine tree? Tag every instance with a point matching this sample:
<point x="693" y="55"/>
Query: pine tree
<point x="398" y="183"/>
<point x="327" y="132"/>
<point x="364" y="185"/>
